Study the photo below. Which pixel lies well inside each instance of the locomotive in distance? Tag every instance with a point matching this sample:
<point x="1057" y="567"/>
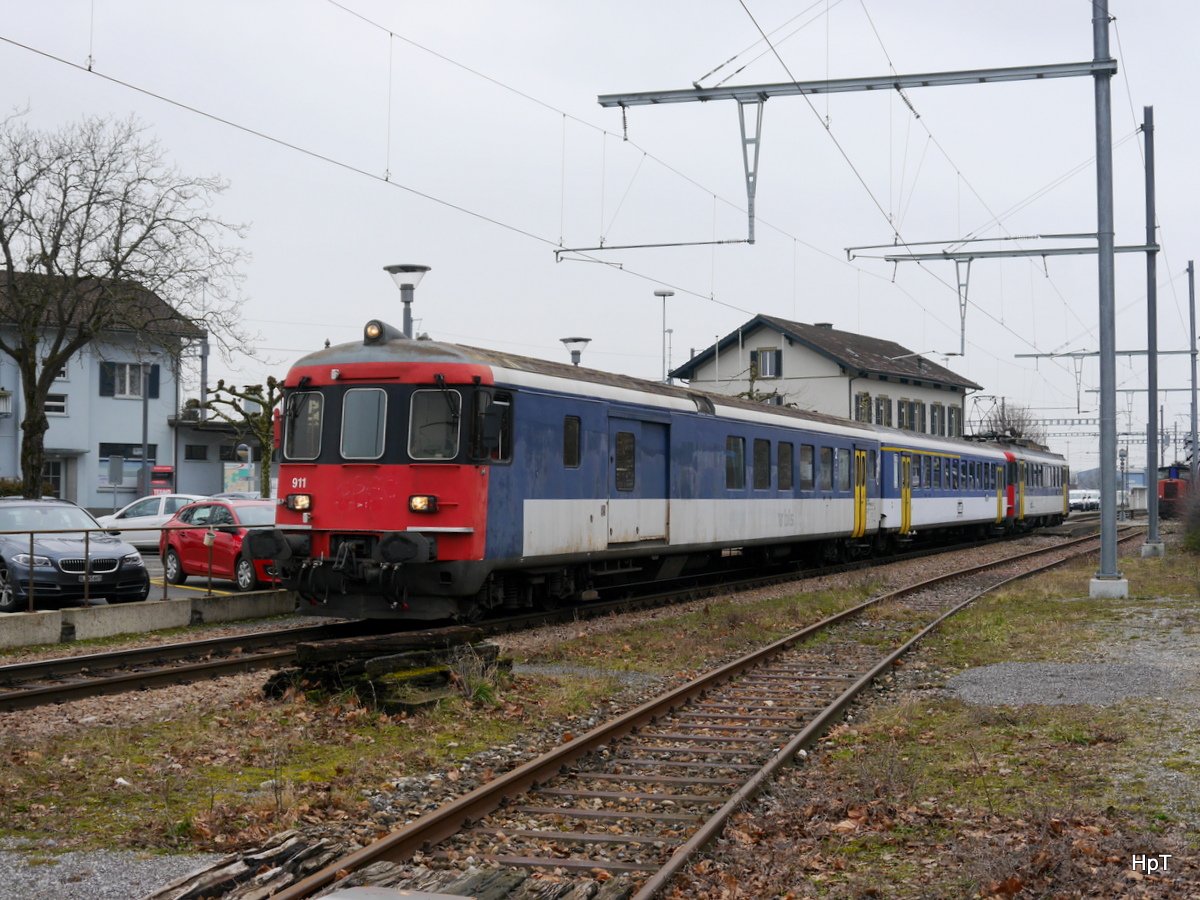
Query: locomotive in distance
<point x="430" y="481"/>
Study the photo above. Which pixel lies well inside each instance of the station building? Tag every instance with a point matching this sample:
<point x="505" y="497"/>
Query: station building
<point x="816" y="367"/>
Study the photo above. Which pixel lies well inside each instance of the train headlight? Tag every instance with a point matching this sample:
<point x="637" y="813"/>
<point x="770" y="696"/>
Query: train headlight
<point x="373" y="331"/>
<point x="299" y="502"/>
<point x="423" y="503"/>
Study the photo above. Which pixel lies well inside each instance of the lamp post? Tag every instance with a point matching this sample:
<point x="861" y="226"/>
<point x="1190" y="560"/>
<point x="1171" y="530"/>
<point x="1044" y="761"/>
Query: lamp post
<point x="1124" y="454"/>
<point x="576" y="352"/>
<point x="664" y="295"/>
<point x="407" y="277"/>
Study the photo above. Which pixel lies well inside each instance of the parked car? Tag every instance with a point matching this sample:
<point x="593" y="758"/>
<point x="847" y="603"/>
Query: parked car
<point x="61" y="564"/>
<point x="186" y="547"/>
<point x="1076" y="500"/>
<point x="237" y="495"/>
<point x="147" y="512"/>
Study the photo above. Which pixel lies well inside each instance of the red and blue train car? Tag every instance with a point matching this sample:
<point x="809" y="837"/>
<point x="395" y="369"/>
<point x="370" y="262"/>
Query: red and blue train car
<point x="428" y="481"/>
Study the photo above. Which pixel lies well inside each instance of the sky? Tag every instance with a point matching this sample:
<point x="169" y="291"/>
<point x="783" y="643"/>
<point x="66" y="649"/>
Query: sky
<point x="465" y="135"/>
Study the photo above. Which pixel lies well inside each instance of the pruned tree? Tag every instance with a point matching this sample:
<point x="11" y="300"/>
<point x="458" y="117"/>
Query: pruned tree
<point x="251" y="410"/>
<point x="753" y="393"/>
<point x="100" y="236"/>
<point x="1012" y="421"/>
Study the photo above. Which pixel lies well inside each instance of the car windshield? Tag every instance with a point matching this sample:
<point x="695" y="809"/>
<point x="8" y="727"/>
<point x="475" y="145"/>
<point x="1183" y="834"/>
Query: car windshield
<point x="45" y="518"/>
<point x="256" y="515"/>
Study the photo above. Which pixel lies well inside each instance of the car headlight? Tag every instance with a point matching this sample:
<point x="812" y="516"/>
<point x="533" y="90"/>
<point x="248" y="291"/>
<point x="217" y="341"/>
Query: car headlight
<point x="132" y="561"/>
<point x="24" y="559"/>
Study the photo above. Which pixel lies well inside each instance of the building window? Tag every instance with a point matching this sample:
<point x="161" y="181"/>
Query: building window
<point x="902" y="410"/>
<point x="883" y="411"/>
<point x="953" y="421"/>
<point x="56" y="404"/>
<point x="767" y="362"/>
<point x="937" y="419"/>
<point x="918" y="416"/>
<point x="762" y="464"/>
<point x="862" y="407"/>
<point x="195" y="451"/>
<point x="126" y="380"/>
<point x="735" y="463"/>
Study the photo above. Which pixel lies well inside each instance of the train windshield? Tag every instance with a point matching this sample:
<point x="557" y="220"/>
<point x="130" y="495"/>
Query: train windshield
<point x="303" y="439"/>
<point x="433" y="424"/>
<point x="364" y="413"/>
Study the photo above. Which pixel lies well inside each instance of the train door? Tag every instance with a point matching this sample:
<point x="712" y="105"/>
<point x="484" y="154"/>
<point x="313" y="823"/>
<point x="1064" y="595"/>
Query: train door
<point x="999" y="476"/>
<point x="637" y="481"/>
<point x="905" y="493"/>
<point x="860" y="492"/>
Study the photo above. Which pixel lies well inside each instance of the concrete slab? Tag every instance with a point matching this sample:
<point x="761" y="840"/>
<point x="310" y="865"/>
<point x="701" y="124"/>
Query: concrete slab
<point x="127" y="618"/>
<point x="1109" y="589"/>
<point x="232" y="607"/>
<point x="26" y="629"/>
<point x="1152" y="549"/>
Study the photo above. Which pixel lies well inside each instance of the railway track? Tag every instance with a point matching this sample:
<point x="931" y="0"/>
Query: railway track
<point x="617" y="812"/>
<point x="59" y="680"/>
<point x="30" y="684"/>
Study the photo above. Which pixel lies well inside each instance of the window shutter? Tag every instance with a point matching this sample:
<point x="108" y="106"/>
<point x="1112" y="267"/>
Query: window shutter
<point x="153" y="386"/>
<point x="778" y="363"/>
<point x="108" y="379"/>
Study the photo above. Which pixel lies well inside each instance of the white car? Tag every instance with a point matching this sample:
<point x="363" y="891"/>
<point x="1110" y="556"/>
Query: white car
<point x="148" y="512"/>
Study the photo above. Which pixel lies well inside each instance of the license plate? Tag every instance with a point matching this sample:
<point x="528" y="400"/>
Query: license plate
<point x="90" y="577"/>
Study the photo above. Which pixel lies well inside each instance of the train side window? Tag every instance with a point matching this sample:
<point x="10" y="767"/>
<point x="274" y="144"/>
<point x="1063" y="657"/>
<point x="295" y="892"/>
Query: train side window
<point x="303" y="440"/>
<point x="807" y="479"/>
<point x="873" y="466"/>
<point x="735" y="463"/>
<point x="843" y="469"/>
<point x="914" y="471"/>
<point x="927" y="472"/>
<point x="827" y="468"/>
<point x="762" y="464"/>
<point x="785" y="476"/>
<point x="571" y="454"/>
<point x="626" y="458"/>
<point x="491" y="426"/>
<point x="433" y="424"/>
<point x="364" y="418"/>
<point x="937" y="474"/>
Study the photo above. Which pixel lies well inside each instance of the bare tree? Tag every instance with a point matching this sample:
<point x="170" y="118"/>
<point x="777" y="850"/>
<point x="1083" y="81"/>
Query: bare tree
<point x="99" y="235"/>
<point x="251" y="410"/>
<point x="1012" y="421"/>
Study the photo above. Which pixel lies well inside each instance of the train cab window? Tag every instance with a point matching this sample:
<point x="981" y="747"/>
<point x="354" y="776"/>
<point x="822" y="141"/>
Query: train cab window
<point x="735" y="463"/>
<point x="571" y="454"/>
<point x="762" y="464"/>
<point x="433" y="424"/>
<point x="491" y="426"/>
<point x="303" y="437"/>
<point x="364" y="415"/>
<point x="626" y="461"/>
<point x="784" y="466"/>
<point x="807" y="476"/>
<point x="827" y="468"/>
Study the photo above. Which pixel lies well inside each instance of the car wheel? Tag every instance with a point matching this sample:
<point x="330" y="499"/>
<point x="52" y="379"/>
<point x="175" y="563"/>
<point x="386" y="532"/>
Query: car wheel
<point x="247" y="577"/>
<point x="173" y="568"/>
<point x="8" y="597"/>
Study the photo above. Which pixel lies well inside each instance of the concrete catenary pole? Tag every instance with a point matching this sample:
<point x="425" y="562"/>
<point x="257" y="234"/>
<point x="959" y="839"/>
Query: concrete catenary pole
<point x="1153" y="545"/>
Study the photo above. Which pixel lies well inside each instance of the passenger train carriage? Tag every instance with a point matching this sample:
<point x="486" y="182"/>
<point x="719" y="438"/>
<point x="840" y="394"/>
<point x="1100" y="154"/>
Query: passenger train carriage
<point x="426" y="481"/>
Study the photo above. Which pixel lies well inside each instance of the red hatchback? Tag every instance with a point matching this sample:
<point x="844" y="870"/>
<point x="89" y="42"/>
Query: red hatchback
<point x="213" y="530"/>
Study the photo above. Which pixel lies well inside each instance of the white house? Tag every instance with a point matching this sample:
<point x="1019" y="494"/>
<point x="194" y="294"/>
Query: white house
<point x="840" y="373"/>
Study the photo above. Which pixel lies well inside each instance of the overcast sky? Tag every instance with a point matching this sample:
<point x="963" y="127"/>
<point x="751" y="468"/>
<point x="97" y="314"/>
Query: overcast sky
<point x="467" y="136"/>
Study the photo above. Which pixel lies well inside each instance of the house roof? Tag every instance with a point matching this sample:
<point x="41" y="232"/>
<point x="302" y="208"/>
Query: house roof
<point x="143" y="309"/>
<point x="857" y="353"/>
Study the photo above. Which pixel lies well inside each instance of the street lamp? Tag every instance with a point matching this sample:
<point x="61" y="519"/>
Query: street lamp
<point x="576" y="352"/>
<point x="664" y="295"/>
<point x="407" y="277"/>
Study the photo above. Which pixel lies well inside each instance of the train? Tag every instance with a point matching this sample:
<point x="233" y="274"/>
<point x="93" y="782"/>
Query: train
<point x="1174" y="482"/>
<point x="430" y="481"/>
